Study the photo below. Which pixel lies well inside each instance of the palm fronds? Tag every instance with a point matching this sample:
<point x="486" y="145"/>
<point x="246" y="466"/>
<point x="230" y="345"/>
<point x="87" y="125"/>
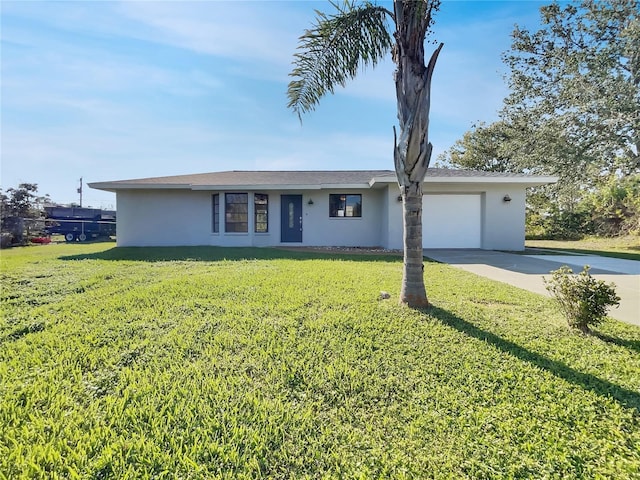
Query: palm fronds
<point x="334" y="49"/>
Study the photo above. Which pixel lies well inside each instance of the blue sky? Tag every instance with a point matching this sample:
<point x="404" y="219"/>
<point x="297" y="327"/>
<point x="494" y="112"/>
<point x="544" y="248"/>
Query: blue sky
<point x="118" y="90"/>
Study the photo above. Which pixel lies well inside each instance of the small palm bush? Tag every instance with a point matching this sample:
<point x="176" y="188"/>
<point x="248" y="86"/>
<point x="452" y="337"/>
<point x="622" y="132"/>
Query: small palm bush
<point x="583" y="299"/>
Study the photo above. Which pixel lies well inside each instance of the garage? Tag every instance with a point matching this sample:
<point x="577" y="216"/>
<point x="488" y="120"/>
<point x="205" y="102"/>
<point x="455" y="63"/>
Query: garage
<point x="452" y="221"/>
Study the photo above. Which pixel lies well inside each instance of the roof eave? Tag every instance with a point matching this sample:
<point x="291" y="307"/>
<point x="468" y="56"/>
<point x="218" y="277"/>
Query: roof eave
<point x="384" y="180"/>
<point x="524" y="180"/>
<point x="375" y="181"/>
<point x="114" y="186"/>
<point x="538" y="180"/>
<point x="227" y="188"/>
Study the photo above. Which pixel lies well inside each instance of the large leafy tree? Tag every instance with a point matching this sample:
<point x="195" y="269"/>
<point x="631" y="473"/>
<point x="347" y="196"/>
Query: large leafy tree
<point x="334" y="50"/>
<point x="574" y="111"/>
<point x="21" y="201"/>
<point x="19" y="208"/>
<point x="575" y="90"/>
<point x="485" y="147"/>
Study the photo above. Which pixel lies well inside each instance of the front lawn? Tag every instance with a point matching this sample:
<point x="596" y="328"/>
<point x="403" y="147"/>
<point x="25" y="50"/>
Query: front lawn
<point x="263" y="363"/>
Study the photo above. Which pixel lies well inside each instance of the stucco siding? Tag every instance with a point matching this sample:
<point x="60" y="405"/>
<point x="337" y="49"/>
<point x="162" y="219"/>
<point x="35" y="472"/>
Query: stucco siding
<point x="319" y="229"/>
<point x="163" y="218"/>
<point x="394" y="226"/>
<point x="185" y="217"/>
<point x="504" y="222"/>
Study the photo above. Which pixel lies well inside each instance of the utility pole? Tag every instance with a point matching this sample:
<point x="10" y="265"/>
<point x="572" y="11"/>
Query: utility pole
<point x="80" y="192"/>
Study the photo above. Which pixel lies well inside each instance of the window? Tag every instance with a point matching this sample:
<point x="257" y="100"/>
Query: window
<point x="261" y="212"/>
<point x="236" y="218"/>
<point x="345" y="205"/>
<point x="216" y="213"/>
<point x="292" y="213"/>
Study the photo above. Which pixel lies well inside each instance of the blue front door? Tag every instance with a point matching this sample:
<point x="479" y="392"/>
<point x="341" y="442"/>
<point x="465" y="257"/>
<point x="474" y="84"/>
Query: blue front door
<point x="291" y="218"/>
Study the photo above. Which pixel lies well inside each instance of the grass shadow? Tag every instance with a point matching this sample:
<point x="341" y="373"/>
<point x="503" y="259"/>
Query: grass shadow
<point x="213" y="254"/>
<point x="626" y="397"/>
<point x="630" y="344"/>
<point x="23" y="331"/>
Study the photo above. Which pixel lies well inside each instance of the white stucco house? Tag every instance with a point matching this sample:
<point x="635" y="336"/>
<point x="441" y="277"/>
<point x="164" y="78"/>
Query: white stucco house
<point x="462" y="209"/>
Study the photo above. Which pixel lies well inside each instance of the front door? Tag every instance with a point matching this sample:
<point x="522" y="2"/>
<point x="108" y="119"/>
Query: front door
<point x="291" y="218"/>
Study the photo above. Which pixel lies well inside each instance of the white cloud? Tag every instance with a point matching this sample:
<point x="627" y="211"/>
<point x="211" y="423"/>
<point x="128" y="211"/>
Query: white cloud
<point x="258" y="31"/>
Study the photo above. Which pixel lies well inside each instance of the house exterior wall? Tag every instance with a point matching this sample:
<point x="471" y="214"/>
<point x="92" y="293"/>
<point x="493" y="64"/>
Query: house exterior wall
<point x="503" y="223"/>
<point x="394" y="230"/>
<point x="321" y="230"/>
<point x="162" y="218"/>
<point x="185" y="217"/>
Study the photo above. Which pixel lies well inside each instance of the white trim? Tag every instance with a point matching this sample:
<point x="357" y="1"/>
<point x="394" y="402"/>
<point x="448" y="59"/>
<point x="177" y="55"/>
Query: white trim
<point x="111" y="186"/>
<point x="257" y="188"/>
<point x="524" y="180"/>
<point x="334" y="186"/>
<point x="541" y="180"/>
<point x="374" y="182"/>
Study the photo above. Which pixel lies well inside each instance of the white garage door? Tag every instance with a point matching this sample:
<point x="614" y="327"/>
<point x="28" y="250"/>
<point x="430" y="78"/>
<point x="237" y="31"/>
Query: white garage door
<point x="451" y="221"/>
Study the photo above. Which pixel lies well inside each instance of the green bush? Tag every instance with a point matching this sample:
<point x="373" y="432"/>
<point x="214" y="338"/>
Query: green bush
<point x="583" y="299"/>
<point x="615" y="206"/>
<point x="610" y="209"/>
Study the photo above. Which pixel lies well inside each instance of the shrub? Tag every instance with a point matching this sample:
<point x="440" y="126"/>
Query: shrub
<point x="583" y="299"/>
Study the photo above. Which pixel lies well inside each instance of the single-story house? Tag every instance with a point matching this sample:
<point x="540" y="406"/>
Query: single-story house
<point x="462" y="209"/>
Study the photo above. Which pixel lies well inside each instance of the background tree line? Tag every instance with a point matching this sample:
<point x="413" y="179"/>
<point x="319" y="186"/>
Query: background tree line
<point x="21" y="213"/>
<point x="573" y="111"/>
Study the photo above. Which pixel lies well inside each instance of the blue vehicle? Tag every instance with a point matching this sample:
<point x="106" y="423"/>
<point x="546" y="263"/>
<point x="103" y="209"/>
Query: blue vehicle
<point x="79" y="224"/>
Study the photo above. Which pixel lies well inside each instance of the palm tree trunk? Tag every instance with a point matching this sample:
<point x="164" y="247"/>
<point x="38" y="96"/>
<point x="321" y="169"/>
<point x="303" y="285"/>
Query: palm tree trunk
<point x="412" y="150"/>
<point x="413" y="292"/>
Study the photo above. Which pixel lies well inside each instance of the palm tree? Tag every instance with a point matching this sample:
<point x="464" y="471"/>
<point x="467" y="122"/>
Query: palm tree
<point x="333" y="50"/>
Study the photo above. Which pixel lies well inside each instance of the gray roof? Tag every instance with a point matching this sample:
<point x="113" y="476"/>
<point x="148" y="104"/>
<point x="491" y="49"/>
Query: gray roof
<point x="243" y="177"/>
<point x="305" y="179"/>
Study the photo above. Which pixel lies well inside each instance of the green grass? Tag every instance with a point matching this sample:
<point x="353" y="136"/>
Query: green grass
<point x="262" y="363"/>
<point x="627" y="247"/>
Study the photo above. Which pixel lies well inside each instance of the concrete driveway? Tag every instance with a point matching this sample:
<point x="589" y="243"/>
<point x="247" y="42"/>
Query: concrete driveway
<point x="526" y="271"/>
